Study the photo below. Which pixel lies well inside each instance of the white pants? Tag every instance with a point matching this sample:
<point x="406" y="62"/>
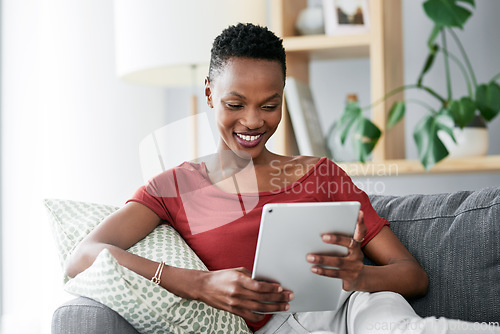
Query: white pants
<point x="370" y="313"/>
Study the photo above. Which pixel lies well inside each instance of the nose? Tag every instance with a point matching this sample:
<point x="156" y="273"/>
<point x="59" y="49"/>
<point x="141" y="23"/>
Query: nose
<point x="252" y="119"/>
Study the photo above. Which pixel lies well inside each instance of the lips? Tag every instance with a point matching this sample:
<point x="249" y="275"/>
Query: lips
<point x="248" y="139"/>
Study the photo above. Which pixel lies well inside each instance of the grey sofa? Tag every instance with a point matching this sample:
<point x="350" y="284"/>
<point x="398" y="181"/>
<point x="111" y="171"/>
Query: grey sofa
<point x="455" y="237"/>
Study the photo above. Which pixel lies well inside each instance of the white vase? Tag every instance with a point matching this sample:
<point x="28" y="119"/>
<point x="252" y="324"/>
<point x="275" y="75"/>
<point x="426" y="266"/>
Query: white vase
<point x="471" y="141"/>
<point x="310" y="21"/>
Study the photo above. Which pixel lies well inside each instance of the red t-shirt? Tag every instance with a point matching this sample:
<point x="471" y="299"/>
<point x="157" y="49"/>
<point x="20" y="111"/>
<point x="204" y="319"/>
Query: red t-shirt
<point x="222" y="227"/>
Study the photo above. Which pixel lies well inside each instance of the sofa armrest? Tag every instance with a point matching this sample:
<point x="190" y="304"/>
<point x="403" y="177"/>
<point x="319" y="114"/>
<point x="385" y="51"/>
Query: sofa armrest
<point x="86" y="316"/>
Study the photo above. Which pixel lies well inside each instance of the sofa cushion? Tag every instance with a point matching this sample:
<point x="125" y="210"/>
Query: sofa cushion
<point x="456" y="239"/>
<point x="83" y="315"/>
<point x="71" y="221"/>
<point x="148" y="307"/>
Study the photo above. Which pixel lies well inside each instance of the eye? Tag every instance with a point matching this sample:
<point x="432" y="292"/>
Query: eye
<point x="270" y="107"/>
<point x="234" y="106"/>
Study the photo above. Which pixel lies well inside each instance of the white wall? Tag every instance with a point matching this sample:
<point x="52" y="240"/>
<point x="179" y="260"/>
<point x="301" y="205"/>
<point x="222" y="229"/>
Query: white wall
<point x="70" y="129"/>
<point x="481" y="44"/>
<point x="331" y="81"/>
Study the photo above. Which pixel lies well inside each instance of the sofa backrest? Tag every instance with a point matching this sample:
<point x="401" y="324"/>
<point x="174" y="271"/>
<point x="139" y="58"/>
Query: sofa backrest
<point x="456" y="239"/>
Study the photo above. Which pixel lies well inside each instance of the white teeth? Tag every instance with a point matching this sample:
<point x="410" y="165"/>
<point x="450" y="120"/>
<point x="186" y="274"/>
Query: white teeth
<point x="248" y="138"/>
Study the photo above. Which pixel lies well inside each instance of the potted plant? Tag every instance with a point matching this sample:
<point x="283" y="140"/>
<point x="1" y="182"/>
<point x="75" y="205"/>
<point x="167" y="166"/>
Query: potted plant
<point x="482" y="99"/>
<point x="353" y="128"/>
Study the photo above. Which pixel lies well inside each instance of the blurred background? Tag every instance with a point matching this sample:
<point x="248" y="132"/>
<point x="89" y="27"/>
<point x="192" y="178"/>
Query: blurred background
<point x="71" y="129"/>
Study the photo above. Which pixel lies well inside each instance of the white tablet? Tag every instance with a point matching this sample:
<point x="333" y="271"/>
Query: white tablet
<point x="288" y="232"/>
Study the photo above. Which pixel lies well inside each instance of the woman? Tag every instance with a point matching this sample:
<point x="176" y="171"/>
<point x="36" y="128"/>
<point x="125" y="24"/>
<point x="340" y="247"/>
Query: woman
<point x="216" y="206"/>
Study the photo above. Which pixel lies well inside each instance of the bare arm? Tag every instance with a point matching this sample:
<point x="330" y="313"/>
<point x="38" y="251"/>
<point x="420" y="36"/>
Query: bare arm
<point x="398" y="271"/>
<point x="233" y="289"/>
<point x="118" y="232"/>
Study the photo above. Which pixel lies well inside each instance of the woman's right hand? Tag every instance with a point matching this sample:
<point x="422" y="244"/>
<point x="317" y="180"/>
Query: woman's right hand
<point x="235" y="291"/>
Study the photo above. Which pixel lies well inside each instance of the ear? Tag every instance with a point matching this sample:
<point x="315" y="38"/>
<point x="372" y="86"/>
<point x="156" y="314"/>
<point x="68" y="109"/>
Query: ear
<point x="208" y="93"/>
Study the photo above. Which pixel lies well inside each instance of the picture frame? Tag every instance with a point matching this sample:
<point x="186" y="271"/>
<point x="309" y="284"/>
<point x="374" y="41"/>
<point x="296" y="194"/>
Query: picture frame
<point x="305" y="119"/>
<point x="343" y="17"/>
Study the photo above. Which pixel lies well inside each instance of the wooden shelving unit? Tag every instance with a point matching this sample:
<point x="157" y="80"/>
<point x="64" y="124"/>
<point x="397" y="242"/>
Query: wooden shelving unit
<point x="397" y="167"/>
<point x="383" y="46"/>
<point x="330" y="47"/>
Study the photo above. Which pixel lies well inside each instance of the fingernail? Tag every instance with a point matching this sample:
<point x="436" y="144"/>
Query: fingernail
<point x="314" y="269"/>
<point x="291" y="296"/>
<point x="327" y="237"/>
<point x="310" y="258"/>
<point x="287" y="307"/>
<point x="280" y="289"/>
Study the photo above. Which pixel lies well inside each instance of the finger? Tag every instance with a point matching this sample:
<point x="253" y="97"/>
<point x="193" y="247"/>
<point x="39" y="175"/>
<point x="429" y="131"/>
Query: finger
<point x="272" y="307"/>
<point x="353" y="244"/>
<point x="261" y="307"/>
<point x="273" y="297"/>
<point x="351" y="260"/>
<point x="244" y="271"/>
<point x="262" y="291"/>
<point x="321" y="260"/>
<point x="262" y="286"/>
<point x="348" y="273"/>
<point x="285" y="297"/>
<point x="360" y="231"/>
<point x="249" y="283"/>
<point x="336" y="239"/>
<point x="242" y="306"/>
<point x="330" y="272"/>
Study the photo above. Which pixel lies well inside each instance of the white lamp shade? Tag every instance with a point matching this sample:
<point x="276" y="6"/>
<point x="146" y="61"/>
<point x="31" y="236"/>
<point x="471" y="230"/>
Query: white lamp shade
<point x="159" y="41"/>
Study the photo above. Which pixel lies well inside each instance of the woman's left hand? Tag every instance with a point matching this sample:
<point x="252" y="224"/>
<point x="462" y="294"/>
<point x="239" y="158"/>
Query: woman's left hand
<point x="348" y="267"/>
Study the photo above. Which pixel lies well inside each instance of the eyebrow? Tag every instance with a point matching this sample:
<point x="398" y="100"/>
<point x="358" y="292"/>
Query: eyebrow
<point x="237" y="95"/>
<point x="275" y="95"/>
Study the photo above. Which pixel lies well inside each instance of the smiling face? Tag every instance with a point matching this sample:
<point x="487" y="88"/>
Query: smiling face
<point x="247" y="96"/>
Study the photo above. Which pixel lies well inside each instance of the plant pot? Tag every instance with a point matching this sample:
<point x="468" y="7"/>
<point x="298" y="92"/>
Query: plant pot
<point x="471" y="141"/>
<point x="339" y="152"/>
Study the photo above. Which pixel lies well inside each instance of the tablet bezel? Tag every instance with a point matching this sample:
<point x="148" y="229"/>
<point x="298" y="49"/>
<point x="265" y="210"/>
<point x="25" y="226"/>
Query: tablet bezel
<point x="288" y="232"/>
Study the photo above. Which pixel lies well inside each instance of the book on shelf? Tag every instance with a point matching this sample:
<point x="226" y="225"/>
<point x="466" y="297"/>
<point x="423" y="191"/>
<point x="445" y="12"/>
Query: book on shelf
<point x="305" y="119"/>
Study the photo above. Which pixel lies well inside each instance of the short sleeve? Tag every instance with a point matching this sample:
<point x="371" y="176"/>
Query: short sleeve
<point x="346" y="190"/>
<point x="153" y="203"/>
<point x="159" y="194"/>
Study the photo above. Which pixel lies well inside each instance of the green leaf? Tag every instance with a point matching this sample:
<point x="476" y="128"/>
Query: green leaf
<point x="363" y="133"/>
<point x="430" y="148"/>
<point x="488" y="100"/>
<point x="445" y="119"/>
<point x="448" y="13"/>
<point x="396" y="113"/>
<point x="352" y="113"/>
<point x="365" y="137"/>
<point x="462" y="111"/>
<point x="495" y="77"/>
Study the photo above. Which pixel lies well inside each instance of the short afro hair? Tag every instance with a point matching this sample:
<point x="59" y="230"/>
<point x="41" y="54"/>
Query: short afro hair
<point x="246" y="41"/>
